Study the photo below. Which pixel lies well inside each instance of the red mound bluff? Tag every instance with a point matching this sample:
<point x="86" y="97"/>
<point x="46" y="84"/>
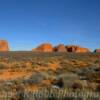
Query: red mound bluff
<point x="82" y="50"/>
<point x="60" y="48"/>
<point x="76" y="49"/>
<point x="46" y="47"/>
<point x="4" y="45"/>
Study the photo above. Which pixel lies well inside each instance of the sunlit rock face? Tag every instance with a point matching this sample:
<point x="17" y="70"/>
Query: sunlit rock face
<point x="4" y="45"/>
<point x="60" y="48"/>
<point x="82" y="50"/>
<point x="97" y="50"/>
<point x="46" y="47"/>
<point x="76" y="49"/>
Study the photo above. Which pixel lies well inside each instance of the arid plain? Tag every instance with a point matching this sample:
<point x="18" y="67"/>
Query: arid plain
<point x="28" y="71"/>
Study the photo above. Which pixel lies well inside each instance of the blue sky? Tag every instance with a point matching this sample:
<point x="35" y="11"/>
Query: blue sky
<point x="28" y="23"/>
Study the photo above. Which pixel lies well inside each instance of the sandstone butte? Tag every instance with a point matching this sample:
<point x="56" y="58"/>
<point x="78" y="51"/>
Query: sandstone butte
<point x="76" y="49"/>
<point x="60" y="48"/>
<point x="97" y="50"/>
<point x="4" y="45"/>
<point x="47" y="47"/>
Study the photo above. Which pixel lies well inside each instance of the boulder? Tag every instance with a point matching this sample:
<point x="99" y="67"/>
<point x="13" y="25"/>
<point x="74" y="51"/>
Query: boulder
<point x="4" y="45"/>
<point x="46" y="47"/>
<point x="60" y="48"/>
<point x="97" y="50"/>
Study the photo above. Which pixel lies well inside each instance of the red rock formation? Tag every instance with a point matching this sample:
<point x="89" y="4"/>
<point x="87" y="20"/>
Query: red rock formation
<point x="83" y="50"/>
<point x="60" y="48"/>
<point x="4" y="45"/>
<point x="97" y="50"/>
<point x="71" y="48"/>
<point x="76" y="49"/>
<point x="46" y="47"/>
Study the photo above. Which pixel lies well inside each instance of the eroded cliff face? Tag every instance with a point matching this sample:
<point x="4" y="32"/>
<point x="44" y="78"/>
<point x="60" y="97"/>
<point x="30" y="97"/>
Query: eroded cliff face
<point x="47" y="47"/>
<point x="4" y="45"/>
<point x="97" y="50"/>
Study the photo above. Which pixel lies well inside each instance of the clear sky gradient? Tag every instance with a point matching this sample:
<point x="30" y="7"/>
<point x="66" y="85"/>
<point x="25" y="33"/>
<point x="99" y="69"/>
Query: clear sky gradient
<point x="28" y="23"/>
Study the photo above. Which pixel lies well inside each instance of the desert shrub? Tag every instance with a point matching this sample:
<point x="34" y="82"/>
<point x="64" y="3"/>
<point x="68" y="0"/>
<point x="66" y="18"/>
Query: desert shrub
<point x="98" y="88"/>
<point x="3" y="66"/>
<point x="19" y="93"/>
<point x="97" y="61"/>
<point x="59" y="83"/>
<point x="35" y="78"/>
<point x="77" y="86"/>
<point x="15" y="66"/>
<point x="34" y="65"/>
<point x="85" y="71"/>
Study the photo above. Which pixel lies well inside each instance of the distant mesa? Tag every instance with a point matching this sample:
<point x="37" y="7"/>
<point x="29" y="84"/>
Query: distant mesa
<point x="4" y="45"/>
<point x="47" y="47"/>
<point x="97" y="50"/>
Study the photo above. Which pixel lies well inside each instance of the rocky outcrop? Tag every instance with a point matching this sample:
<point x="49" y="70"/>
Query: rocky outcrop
<point x="71" y="48"/>
<point x="60" y="48"/>
<point x="97" y="50"/>
<point x="76" y="49"/>
<point x="4" y="45"/>
<point x="46" y="47"/>
<point x="83" y="50"/>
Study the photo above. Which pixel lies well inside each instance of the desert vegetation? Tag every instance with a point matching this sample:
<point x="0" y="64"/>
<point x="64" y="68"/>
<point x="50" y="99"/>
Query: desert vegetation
<point x="22" y="73"/>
